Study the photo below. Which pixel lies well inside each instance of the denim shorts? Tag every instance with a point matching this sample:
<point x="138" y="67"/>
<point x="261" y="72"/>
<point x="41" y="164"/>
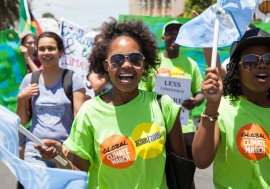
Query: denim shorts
<point x="22" y="139"/>
<point x="36" y="159"/>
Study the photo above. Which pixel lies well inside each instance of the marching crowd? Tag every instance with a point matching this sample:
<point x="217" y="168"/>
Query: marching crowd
<point x="119" y="137"/>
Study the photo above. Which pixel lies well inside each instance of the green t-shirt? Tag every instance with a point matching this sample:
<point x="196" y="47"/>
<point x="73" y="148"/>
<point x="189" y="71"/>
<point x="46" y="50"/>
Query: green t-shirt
<point x="181" y="67"/>
<point x="124" y="144"/>
<point x="242" y="159"/>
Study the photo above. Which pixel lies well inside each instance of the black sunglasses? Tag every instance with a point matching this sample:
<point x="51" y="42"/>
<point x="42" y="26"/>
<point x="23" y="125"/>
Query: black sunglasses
<point x="252" y="61"/>
<point x="117" y="60"/>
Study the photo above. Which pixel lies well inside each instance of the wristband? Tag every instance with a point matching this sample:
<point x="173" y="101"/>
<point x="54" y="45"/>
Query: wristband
<point x="211" y="118"/>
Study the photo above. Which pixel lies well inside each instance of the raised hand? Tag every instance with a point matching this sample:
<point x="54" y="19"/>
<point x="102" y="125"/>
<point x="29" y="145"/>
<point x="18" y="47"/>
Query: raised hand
<point x="212" y="86"/>
<point x="24" y="51"/>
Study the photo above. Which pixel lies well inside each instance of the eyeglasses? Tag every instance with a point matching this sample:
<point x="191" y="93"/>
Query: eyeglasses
<point x="252" y="61"/>
<point x="117" y="60"/>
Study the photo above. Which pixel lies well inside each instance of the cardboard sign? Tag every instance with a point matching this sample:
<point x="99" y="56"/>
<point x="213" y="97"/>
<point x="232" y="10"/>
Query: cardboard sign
<point x="176" y="88"/>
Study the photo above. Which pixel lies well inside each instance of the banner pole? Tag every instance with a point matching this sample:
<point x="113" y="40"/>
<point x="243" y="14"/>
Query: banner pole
<point x="40" y="143"/>
<point x="215" y="41"/>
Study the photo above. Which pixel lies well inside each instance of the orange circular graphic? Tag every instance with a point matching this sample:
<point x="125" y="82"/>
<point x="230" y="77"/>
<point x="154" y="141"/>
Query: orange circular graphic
<point x="253" y="142"/>
<point x="164" y="71"/>
<point x="117" y="151"/>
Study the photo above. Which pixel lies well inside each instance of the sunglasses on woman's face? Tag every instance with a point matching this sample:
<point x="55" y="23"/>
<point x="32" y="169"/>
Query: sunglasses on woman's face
<point x="117" y="60"/>
<point x="252" y="61"/>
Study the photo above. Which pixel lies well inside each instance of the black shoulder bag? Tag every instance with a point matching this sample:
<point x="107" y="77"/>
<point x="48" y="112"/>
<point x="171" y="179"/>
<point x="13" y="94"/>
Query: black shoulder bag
<point x="179" y="171"/>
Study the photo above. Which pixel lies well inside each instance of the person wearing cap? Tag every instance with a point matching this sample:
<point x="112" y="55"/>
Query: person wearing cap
<point x="179" y="65"/>
<point x="176" y="64"/>
<point x="234" y="128"/>
<point x="28" y="49"/>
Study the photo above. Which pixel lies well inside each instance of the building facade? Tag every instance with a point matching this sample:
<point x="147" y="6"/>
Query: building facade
<point x="172" y="8"/>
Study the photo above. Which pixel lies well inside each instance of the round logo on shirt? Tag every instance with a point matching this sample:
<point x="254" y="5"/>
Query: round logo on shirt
<point x="148" y="140"/>
<point x="253" y="142"/>
<point x="164" y="71"/>
<point x="178" y="72"/>
<point x="117" y="151"/>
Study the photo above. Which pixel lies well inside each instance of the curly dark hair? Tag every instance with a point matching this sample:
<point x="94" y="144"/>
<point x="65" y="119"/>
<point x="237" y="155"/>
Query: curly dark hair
<point x="137" y="30"/>
<point x="231" y="81"/>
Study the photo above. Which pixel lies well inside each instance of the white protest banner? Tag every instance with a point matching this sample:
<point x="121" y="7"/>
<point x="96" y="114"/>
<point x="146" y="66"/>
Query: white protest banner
<point x="77" y="47"/>
<point x="178" y="89"/>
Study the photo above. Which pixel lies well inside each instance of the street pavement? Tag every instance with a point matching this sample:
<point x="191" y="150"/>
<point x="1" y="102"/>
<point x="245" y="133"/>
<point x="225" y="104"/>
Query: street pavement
<point x="7" y="179"/>
<point x="204" y="178"/>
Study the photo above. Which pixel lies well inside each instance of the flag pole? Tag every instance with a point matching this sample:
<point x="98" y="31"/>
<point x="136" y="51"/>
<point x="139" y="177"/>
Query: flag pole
<point x="215" y="41"/>
<point x="40" y="143"/>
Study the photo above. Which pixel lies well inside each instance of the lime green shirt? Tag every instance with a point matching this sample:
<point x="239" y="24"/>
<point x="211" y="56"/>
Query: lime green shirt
<point x="242" y="159"/>
<point x="180" y="67"/>
<point x="124" y="144"/>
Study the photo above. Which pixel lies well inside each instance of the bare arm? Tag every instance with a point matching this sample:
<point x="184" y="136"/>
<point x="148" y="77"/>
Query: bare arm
<point x="199" y="97"/>
<point x="23" y="105"/>
<point x="191" y="103"/>
<point x="97" y="83"/>
<point x="205" y="143"/>
<point x="78" y="100"/>
<point x="49" y="153"/>
<point x="206" y="140"/>
<point x="175" y="137"/>
<point x="28" y="59"/>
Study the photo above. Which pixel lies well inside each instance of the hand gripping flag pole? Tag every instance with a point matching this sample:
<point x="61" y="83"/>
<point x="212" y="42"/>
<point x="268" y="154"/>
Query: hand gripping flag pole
<point x="40" y="143"/>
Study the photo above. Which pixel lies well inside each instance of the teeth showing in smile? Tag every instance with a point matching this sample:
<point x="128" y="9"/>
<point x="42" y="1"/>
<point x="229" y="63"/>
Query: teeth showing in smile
<point x="47" y="58"/>
<point x="262" y="75"/>
<point x="126" y="75"/>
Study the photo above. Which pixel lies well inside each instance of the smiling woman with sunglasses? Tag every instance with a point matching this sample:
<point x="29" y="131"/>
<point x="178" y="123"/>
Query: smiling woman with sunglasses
<point x="119" y="137"/>
<point x="234" y="130"/>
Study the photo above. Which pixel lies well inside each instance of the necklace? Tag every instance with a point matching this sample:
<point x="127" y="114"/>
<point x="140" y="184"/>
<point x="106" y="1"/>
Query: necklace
<point x="242" y="96"/>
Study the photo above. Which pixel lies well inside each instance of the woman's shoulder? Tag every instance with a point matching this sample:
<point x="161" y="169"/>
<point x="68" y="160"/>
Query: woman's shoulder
<point x="27" y="78"/>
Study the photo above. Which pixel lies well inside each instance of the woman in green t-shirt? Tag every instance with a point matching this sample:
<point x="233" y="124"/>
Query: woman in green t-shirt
<point x="234" y="129"/>
<point x="118" y="137"/>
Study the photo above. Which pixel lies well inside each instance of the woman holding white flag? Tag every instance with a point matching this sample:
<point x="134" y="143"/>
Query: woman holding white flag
<point x="45" y="101"/>
<point x="234" y="128"/>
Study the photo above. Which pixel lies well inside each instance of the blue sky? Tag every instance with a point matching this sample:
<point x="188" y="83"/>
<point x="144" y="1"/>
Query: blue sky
<point x="83" y="12"/>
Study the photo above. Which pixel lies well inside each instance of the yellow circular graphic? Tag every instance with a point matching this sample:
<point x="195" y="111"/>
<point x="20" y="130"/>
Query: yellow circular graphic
<point x="148" y="140"/>
<point x="178" y="72"/>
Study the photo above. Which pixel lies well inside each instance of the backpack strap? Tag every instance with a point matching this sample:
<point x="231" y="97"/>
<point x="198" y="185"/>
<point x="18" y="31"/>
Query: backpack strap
<point x="35" y="76"/>
<point x="159" y="101"/>
<point x="67" y="84"/>
<point x="34" y="79"/>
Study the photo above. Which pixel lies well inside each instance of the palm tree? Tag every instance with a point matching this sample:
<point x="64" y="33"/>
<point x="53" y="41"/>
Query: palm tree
<point x="9" y="13"/>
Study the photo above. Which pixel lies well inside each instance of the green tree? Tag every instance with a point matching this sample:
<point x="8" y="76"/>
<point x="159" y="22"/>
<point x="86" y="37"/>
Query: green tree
<point x="47" y="15"/>
<point x="197" y="5"/>
<point x="9" y="13"/>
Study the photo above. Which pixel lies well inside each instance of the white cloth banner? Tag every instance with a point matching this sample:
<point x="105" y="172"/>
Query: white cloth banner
<point x="32" y="176"/>
<point x="176" y="88"/>
<point x="77" y="47"/>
